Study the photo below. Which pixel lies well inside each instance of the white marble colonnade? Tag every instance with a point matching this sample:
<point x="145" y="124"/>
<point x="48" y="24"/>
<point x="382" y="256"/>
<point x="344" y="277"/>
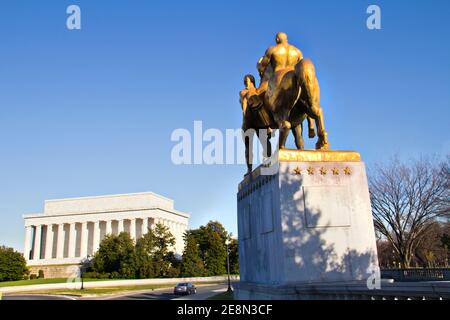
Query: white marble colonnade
<point x="52" y="241"/>
<point x="71" y="229"/>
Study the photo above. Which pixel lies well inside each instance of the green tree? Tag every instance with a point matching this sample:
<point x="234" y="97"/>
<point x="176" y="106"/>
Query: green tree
<point x="152" y="253"/>
<point x="211" y="239"/>
<point x="175" y="265"/>
<point x="116" y="256"/>
<point x="234" y="256"/>
<point x="216" y="255"/>
<point x="217" y="227"/>
<point x="12" y="265"/>
<point x="192" y="264"/>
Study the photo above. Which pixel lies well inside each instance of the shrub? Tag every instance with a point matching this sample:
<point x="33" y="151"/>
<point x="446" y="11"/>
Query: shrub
<point x="33" y="277"/>
<point x="95" y="275"/>
<point x="41" y="274"/>
<point x="91" y="275"/>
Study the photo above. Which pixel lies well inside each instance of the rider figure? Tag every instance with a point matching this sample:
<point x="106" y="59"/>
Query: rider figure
<point x="256" y="118"/>
<point x="282" y="57"/>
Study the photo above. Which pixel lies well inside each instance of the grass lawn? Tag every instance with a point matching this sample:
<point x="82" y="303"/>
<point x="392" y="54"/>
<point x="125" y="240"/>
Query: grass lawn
<point x="42" y="281"/>
<point x="31" y="282"/>
<point x="222" y="296"/>
<point x="98" y="291"/>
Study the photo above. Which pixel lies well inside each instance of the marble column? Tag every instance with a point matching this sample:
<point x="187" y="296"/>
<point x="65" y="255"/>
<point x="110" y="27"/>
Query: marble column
<point x="120" y="227"/>
<point x="180" y="230"/>
<point x="37" y="242"/>
<point x="72" y="240"/>
<point x="60" y="242"/>
<point x="144" y="226"/>
<point x="133" y="228"/>
<point x="84" y="240"/>
<point x="108" y="229"/>
<point x="180" y="240"/>
<point x="49" y="242"/>
<point x="27" y="245"/>
<point x="96" y="236"/>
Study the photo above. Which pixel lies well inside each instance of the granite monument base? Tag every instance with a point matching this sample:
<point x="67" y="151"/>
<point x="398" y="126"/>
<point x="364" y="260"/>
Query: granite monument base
<point x="305" y="220"/>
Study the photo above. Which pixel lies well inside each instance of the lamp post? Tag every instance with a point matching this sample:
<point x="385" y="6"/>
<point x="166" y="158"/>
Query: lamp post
<point x="227" y="242"/>
<point x="84" y="262"/>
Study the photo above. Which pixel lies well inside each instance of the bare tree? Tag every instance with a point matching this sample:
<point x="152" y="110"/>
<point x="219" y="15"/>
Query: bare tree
<point x="406" y="199"/>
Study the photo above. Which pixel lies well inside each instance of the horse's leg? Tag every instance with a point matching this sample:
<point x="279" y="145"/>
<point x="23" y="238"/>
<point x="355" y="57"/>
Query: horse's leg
<point x="285" y="127"/>
<point x="315" y="111"/>
<point x="311" y="130"/>
<point x="297" y="131"/>
<point x="264" y="136"/>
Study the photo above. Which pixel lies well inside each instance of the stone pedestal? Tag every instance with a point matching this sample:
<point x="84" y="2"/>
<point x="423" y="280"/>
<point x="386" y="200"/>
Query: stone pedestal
<point x="305" y="220"/>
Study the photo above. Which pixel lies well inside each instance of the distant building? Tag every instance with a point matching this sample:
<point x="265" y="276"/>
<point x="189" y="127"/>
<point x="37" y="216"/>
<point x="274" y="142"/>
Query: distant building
<point x="71" y="229"/>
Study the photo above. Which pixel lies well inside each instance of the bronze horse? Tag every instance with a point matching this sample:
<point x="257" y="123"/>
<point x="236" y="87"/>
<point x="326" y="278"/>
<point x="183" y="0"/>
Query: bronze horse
<point x="283" y="104"/>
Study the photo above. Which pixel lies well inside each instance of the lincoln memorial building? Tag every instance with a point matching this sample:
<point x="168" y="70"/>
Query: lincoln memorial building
<point x="71" y="229"/>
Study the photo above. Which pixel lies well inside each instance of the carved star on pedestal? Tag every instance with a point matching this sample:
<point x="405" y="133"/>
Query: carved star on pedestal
<point x="310" y="171"/>
<point x="335" y="171"/>
<point x="323" y="171"/>
<point x="347" y="171"/>
<point x="297" y="171"/>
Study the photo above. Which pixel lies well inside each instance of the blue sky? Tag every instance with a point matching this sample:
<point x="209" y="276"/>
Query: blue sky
<point x="90" y="112"/>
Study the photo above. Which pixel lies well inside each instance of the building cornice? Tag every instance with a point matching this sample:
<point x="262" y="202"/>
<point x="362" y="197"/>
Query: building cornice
<point x="45" y="216"/>
<point x="149" y="193"/>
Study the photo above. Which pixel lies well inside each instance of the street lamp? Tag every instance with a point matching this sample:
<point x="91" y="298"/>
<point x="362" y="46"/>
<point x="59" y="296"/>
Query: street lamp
<point x="84" y="262"/>
<point x="227" y="242"/>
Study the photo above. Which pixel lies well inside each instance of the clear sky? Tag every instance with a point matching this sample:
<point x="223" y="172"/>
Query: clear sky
<point x="91" y="111"/>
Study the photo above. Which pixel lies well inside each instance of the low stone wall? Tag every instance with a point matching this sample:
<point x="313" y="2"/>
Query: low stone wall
<point x="76" y="284"/>
<point x="56" y="271"/>
<point x="343" y="291"/>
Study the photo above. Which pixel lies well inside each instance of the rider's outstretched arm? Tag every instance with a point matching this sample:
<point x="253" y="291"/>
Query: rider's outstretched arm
<point x="264" y="62"/>
<point x="300" y="54"/>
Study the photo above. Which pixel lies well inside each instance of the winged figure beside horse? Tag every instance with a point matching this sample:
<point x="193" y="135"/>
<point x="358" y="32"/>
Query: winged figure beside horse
<point x="288" y="94"/>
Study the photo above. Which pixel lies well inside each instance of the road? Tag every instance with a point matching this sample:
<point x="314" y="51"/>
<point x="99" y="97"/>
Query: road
<point x="203" y="292"/>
